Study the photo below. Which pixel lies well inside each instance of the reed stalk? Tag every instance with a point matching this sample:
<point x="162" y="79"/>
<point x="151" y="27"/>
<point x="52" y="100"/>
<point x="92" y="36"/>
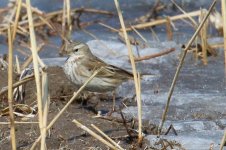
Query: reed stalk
<point x="203" y="36"/>
<point x="45" y="104"/>
<point x="223" y="9"/>
<point x="136" y="82"/>
<point x="10" y="90"/>
<point x="19" y="2"/>
<point x="36" y="71"/>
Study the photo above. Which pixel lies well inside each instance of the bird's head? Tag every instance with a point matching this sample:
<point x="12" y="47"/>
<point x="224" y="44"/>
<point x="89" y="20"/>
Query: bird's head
<point x="78" y="49"/>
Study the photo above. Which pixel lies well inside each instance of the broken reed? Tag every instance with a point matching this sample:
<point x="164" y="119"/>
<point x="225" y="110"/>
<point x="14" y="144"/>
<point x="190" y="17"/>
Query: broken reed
<point x="107" y="137"/>
<point x="78" y="124"/>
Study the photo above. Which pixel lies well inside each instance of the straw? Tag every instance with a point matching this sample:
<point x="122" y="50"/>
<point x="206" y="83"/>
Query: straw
<point x="10" y="90"/>
<point x="136" y="82"/>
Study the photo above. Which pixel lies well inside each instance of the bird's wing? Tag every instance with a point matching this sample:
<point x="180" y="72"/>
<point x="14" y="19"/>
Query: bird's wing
<point x="108" y="70"/>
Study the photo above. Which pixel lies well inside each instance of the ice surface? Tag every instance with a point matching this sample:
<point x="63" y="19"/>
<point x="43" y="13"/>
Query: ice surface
<point x="199" y="140"/>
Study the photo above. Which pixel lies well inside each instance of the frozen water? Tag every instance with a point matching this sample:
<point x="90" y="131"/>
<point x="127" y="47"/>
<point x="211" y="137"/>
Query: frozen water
<point x="199" y="140"/>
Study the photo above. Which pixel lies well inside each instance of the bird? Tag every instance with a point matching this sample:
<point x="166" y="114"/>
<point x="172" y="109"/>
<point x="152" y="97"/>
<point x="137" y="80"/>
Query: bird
<point x="82" y="63"/>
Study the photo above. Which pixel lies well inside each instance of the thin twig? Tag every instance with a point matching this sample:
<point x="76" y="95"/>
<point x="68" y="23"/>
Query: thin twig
<point x="155" y="55"/>
<point x="109" y="27"/>
<point x="139" y="34"/>
<point x="180" y="66"/>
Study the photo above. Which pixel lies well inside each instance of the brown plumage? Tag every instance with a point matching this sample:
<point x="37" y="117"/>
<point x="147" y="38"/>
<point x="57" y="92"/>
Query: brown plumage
<point x="81" y="64"/>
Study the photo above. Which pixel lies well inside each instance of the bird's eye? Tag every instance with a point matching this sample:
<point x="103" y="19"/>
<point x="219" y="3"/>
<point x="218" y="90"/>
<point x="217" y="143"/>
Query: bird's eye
<point x="75" y="50"/>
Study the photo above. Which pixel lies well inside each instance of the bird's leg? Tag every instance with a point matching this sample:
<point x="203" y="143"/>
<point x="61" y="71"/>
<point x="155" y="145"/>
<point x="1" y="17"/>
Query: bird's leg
<point x="113" y="98"/>
<point x="113" y="105"/>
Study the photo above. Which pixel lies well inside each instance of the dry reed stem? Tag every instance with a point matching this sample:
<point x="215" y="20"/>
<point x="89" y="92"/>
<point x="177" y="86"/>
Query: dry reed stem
<point x="16" y="19"/>
<point x="136" y="82"/>
<point x="203" y="36"/>
<point x="109" y="27"/>
<point x="25" y="80"/>
<point x="169" y="31"/>
<point x="64" y="18"/>
<point x="87" y="10"/>
<point x="45" y="104"/>
<point x="36" y="69"/>
<point x="78" y="124"/>
<point x="51" y="25"/>
<point x="188" y="16"/>
<point x="66" y="106"/>
<point x="17" y="65"/>
<point x="33" y="9"/>
<point x="154" y="35"/>
<point x="139" y="106"/>
<point x="139" y="34"/>
<point x="29" y="59"/>
<point x="223" y="9"/>
<point x="162" y="21"/>
<point x="18" y="122"/>
<point x="107" y="137"/>
<point x="196" y="49"/>
<point x="41" y="63"/>
<point x="10" y="91"/>
<point x="180" y="66"/>
<point x="68" y="14"/>
<point x="49" y="16"/>
<point x="217" y="45"/>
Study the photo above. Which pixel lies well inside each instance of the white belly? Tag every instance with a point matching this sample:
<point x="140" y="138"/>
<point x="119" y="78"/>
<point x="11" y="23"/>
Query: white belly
<point x="95" y="85"/>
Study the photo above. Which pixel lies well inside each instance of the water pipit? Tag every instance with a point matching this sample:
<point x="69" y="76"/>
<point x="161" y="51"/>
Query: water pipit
<point x="82" y="63"/>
